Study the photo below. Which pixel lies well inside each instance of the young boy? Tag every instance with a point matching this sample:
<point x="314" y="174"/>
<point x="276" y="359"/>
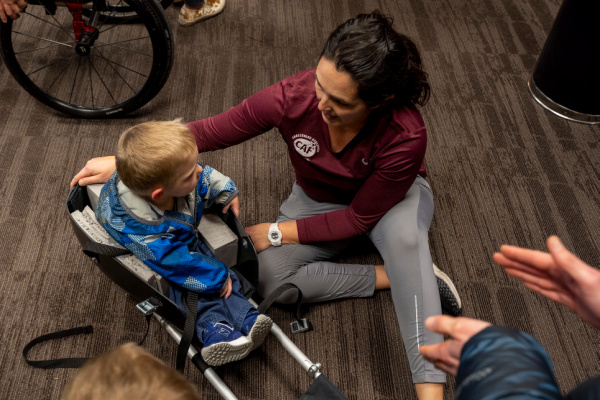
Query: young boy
<point x="153" y="204"/>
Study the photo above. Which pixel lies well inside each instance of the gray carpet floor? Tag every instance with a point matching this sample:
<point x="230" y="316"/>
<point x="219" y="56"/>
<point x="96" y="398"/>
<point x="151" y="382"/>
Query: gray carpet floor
<point x="502" y="169"/>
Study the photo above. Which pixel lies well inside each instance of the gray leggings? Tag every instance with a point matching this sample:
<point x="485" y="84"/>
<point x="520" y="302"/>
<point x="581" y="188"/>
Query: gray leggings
<point x="401" y="237"/>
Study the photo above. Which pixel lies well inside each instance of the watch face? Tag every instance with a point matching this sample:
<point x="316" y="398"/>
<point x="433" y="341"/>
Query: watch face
<point x="274" y="235"/>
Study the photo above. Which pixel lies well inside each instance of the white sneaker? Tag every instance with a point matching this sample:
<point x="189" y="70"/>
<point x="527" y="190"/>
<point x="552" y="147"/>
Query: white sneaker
<point x="223" y="344"/>
<point x="256" y="327"/>
<point x="210" y="8"/>
<point x="448" y="294"/>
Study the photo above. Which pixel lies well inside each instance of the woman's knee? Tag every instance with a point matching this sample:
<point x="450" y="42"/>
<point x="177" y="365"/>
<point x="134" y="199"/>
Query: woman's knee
<point x="397" y="242"/>
<point x="267" y="284"/>
<point x="403" y="227"/>
<point x="274" y="263"/>
<point x="273" y="269"/>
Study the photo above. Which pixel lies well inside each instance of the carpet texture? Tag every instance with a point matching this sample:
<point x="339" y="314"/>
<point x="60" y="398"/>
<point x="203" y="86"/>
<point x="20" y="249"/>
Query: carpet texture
<point x="502" y="169"/>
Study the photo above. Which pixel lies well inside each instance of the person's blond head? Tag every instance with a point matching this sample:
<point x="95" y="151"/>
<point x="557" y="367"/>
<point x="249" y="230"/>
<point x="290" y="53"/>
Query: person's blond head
<point x="150" y="154"/>
<point x="128" y="373"/>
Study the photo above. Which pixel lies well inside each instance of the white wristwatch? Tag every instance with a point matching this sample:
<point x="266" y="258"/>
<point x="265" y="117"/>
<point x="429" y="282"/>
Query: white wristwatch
<point x="275" y="235"/>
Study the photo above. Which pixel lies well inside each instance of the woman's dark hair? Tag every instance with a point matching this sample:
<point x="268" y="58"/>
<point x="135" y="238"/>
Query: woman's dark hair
<point x="382" y="61"/>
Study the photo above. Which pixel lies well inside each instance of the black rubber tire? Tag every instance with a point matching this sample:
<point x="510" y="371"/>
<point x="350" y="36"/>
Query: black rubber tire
<point x="124" y="12"/>
<point x="124" y="69"/>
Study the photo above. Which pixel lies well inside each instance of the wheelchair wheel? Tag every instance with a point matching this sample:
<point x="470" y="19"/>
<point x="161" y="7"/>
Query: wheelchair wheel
<point x="123" y="12"/>
<point x="89" y="70"/>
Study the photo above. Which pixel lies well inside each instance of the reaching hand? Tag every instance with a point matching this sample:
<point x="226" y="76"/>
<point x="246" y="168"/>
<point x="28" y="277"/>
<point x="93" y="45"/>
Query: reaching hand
<point x="235" y="206"/>
<point x="96" y="170"/>
<point x="11" y="9"/>
<point x="558" y="275"/>
<point x="446" y="355"/>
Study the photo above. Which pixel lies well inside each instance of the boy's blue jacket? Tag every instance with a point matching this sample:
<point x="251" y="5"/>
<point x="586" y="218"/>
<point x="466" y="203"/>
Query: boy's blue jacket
<point x="167" y="242"/>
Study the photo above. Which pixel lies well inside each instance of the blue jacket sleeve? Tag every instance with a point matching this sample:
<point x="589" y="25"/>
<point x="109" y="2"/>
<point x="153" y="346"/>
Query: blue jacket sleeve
<point x="173" y="260"/>
<point x="504" y="363"/>
<point x="214" y="187"/>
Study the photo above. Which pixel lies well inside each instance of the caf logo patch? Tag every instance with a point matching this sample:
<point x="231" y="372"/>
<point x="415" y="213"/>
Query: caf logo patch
<point x="305" y="145"/>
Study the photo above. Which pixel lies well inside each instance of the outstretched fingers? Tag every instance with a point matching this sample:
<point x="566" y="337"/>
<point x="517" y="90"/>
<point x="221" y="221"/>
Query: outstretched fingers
<point x="511" y="265"/>
<point x="533" y="258"/>
<point x="556" y="294"/>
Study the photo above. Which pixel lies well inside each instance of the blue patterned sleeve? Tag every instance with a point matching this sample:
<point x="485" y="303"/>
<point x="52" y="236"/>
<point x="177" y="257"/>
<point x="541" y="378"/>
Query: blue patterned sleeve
<point x="504" y="363"/>
<point x="217" y="187"/>
<point x="173" y="260"/>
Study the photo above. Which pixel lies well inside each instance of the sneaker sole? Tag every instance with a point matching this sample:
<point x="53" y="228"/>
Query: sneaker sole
<point x="226" y="352"/>
<point x="448" y="294"/>
<point x="260" y="330"/>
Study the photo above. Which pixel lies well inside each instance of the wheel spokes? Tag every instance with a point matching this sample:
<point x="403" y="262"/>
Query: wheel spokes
<point x="45" y="49"/>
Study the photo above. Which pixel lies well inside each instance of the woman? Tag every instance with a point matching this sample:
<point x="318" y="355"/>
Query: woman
<point x="357" y="144"/>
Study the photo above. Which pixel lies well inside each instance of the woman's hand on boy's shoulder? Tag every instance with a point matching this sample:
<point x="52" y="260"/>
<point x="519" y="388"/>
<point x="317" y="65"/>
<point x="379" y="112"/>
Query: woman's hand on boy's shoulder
<point x="96" y="170"/>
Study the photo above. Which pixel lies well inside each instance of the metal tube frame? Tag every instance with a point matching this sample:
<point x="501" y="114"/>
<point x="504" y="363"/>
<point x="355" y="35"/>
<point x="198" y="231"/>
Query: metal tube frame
<point x="209" y="373"/>
<point x="314" y="369"/>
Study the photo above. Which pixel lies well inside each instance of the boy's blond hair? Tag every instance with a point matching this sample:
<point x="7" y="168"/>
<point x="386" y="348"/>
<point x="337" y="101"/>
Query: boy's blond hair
<point x="128" y="373"/>
<point x="150" y="154"/>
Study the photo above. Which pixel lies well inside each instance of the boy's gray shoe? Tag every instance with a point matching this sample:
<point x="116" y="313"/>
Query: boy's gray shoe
<point x="256" y="327"/>
<point x="448" y="294"/>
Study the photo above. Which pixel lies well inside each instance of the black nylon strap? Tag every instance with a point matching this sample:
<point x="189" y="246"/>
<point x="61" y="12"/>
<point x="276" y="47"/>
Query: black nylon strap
<point x="188" y="330"/>
<point x="66" y="362"/>
<point x="92" y="249"/>
<point x="148" y="318"/>
<point x="59" y="362"/>
<point x="274" y="295"/>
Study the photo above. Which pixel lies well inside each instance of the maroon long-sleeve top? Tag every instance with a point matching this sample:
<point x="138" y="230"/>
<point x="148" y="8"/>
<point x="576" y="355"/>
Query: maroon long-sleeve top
<point x="371" y="174"/>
